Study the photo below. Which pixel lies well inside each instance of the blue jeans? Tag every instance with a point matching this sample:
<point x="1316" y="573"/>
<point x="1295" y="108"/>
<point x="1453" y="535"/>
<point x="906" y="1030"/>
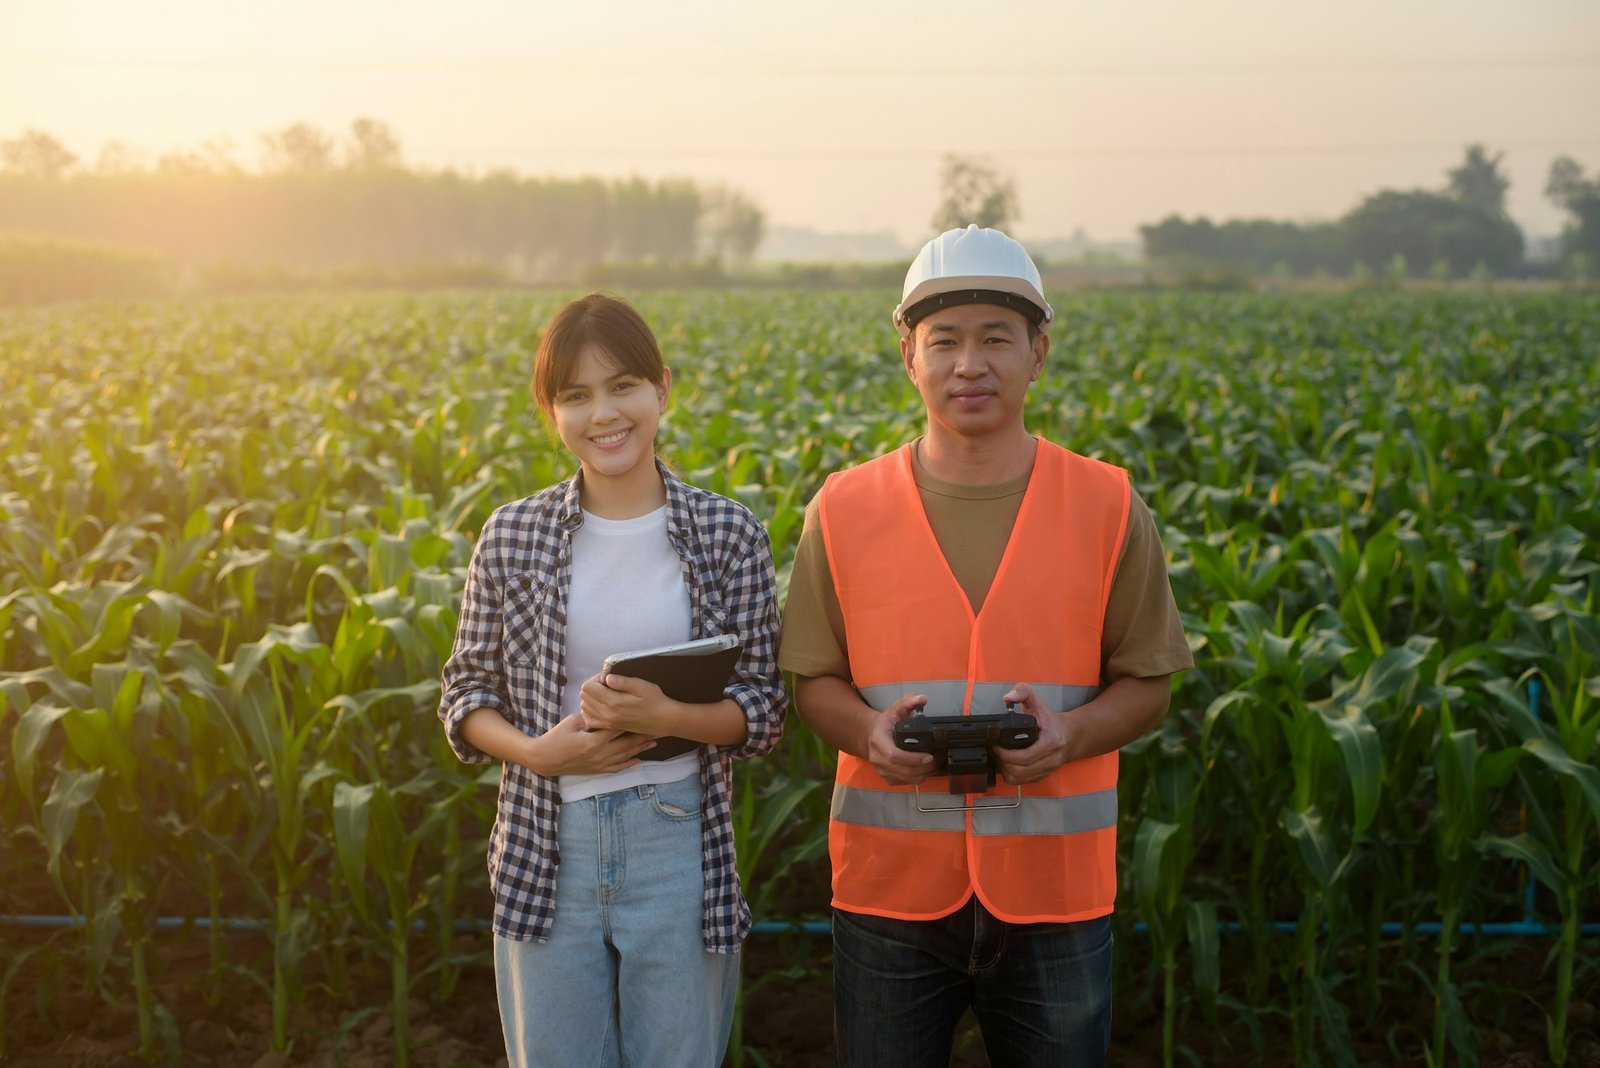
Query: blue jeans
<point x="1041" y="992"/>
<point x="625" y="978"/>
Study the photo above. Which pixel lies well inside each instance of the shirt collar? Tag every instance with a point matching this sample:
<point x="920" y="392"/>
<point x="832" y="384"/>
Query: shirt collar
<point x="569" y="512"/>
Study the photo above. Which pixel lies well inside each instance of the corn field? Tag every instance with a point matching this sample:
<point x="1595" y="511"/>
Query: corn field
<point x="233" y="537"/>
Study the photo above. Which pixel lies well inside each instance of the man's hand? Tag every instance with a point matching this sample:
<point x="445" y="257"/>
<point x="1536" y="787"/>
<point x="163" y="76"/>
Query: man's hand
<point x="1049" y="750"/>
<point x="1123" y="711"/>
<point x="898" y="767"/>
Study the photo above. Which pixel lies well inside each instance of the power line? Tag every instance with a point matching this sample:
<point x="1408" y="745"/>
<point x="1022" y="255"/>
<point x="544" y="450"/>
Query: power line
<point x="415" y="66"/>
<point x="1137" y="152"/>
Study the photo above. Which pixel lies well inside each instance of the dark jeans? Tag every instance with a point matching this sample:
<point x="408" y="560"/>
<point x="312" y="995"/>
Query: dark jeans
<point x="1041" y="992"/>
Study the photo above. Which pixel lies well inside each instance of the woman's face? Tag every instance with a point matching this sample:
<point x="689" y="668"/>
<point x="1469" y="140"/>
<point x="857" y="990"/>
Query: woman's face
<point x="607" y="417"/>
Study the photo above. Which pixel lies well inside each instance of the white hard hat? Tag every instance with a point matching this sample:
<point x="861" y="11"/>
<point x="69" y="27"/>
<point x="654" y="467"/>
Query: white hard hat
<point x="971" y="266"/>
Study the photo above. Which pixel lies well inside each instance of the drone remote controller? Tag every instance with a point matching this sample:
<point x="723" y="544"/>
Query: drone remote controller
<point x="962" y="746"/>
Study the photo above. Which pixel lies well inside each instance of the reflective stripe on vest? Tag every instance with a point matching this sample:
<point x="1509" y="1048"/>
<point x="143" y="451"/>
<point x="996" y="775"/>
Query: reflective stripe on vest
<point x="910" y="629"/>
<point x="1035" y="815"/>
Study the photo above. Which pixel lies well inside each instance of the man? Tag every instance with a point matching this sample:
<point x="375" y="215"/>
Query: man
<point x="977" y="567"/>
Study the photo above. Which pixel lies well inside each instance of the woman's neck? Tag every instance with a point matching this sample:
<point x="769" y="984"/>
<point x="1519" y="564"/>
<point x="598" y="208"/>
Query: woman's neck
<point x="639" y="492"/>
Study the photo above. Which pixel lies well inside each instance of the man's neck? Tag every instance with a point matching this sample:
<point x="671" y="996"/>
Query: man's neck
<point x="977" y="462"/>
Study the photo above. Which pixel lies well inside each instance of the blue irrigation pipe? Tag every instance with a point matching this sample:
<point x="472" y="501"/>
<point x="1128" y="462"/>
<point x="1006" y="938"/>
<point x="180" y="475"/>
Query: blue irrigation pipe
<point x="1520" y="928"/>
<point x="1527" y="927"/>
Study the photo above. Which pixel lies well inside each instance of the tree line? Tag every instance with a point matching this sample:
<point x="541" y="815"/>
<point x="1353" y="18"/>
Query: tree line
<point x="317" y="201"/>
<point x="1457" y="231"/>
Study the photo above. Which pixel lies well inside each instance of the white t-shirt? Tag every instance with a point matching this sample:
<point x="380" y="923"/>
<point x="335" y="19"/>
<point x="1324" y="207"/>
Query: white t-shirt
<point x="628" y="592"/>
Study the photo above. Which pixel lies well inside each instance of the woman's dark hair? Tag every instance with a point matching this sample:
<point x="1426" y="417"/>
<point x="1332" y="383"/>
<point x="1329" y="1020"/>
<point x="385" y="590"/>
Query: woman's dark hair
<point x="610" y="324"/>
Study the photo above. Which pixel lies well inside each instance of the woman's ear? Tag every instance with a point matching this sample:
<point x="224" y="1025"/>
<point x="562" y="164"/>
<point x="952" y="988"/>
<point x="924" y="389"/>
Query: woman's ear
<point x="664" y="390"/>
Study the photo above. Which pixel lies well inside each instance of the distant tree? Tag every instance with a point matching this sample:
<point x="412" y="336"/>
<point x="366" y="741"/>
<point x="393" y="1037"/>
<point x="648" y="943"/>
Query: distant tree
<point x="215" y="156"/>
<point x="1579" y="197"/>
<point x="181" y="163"/>
<point x="1176" y="238"/>
<point x="1453" y="231"/>
<point x="731" y="225"/>
<point x="297" y="149"/>
<point x="972" y="190"/>
<point x="218" y="155"/>
<point x="372" y="145"/>
<point x="1457" y="231"/>
<point x="653" y="221"/>
<point x="1258" y="245"/>
<point x="198" y="206"/>
<point x="1426" y="227"/>
<point x="1566" y="183"/>
<point x="37" y="155"/>
<point x="118" y="158"/>
<point x="1478" y="181"/>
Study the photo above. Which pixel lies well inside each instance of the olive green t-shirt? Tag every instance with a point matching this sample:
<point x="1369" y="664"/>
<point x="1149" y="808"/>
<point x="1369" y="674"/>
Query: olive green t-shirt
<point x="1142" y="636"/>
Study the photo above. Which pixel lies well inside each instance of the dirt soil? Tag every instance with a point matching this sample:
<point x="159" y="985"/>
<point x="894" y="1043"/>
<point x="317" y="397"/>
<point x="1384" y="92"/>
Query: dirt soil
<point x="51" y="1023"/>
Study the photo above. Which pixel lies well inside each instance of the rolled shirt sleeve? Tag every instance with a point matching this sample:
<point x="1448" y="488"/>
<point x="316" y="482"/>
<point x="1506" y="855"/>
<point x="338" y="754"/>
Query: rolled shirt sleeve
<point x="471" y="677"/>
<point x="750" y="596"/>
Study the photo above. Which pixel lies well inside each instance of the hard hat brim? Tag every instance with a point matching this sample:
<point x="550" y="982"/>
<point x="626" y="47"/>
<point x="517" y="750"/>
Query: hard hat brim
<point x="1000" y="290"/>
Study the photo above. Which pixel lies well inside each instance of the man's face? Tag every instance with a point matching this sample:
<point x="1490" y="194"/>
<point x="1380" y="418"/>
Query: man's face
<point x="973" y="364"/>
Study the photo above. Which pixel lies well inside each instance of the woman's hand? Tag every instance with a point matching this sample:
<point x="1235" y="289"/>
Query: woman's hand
<point x="621" y="703"/>
<point x="569" y="749"/>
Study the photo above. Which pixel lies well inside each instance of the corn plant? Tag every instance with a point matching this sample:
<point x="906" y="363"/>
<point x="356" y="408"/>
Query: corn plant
<point x="1163" y="852"/>
<point x="278" y="686"/>
<point x="373" y="832"/>
<point x="1562" y="824"/>
<point x="1469" y="782"/>
<point x="219" y="791"/>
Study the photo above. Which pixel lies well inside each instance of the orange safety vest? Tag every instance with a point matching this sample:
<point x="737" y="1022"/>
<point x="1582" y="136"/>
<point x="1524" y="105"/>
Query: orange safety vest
<point x="909" y="628"/>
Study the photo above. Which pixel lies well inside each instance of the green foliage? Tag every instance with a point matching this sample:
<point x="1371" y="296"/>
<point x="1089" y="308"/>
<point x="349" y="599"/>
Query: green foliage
<point x="233" y="536"/>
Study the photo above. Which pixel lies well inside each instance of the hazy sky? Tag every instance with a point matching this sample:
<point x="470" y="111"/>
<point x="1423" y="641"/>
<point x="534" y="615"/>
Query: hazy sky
<point x="834" y="114"/>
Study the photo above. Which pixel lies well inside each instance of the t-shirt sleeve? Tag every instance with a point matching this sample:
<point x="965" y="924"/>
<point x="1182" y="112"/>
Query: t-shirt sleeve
<point x="1143" y="636"/>
<point x="812" y="641"/>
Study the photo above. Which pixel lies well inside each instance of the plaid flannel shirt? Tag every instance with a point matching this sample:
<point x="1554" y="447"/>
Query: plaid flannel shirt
<point x="508" y="655"/>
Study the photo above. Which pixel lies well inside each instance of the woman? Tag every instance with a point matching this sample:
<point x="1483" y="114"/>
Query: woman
<point x="618" y="915"/>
